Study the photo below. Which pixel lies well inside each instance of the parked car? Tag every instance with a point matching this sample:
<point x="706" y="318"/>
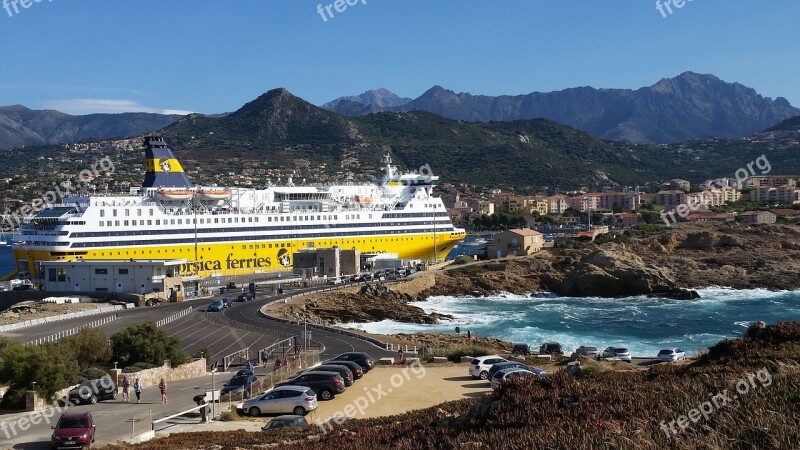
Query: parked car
<point x="362" y="359"/>
<point x="285" y="421"/>
<point x="299" y="400"/>
<point x="231" y="285"/>
<point x="237" y="383"/>
<point x="479" y="367"/>
<point x="325" y="384"/>
<point x="354" y="367"/>
<point x="506" y="365"/>
<point x="551" y="348"/>
<point x="93" y="391"/>
<point x="501" y="377"/>
<point x="671" y="354"/>
<point x="216" y="305"/>
<point x="368" y="277"/>
<point x="344" y="372"/>
<point x="588" y="351"/>
<point x="619" y="353"/>
<point x="521" y="349"/>
<point x="73" y="430"/>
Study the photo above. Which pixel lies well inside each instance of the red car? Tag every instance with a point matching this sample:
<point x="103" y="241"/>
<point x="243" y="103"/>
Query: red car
<point x="73" y="430"/>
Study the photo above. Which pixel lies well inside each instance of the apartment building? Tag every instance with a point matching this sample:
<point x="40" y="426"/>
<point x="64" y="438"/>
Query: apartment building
<point x="669" y="199"/>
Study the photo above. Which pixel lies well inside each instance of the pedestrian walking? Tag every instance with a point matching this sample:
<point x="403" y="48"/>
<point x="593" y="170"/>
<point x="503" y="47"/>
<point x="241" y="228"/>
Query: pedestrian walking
<point x="250" y="367"/>
<point x="162" y="386"/>
<point x="137" y="389"/>
<point x="126" y="385"/>
<point x="277" y="364"/>
<point x="402" y="357"/>
<point x="285" y="362"/>
<point x="264" y="358"/>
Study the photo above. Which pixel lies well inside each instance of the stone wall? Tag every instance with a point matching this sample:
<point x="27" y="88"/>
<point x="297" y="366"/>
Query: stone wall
<point x="151" y="377"/>
<point x="11" y="298"/>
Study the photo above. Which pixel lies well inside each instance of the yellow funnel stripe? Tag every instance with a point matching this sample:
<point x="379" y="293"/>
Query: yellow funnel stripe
<point x="171" y="165"/>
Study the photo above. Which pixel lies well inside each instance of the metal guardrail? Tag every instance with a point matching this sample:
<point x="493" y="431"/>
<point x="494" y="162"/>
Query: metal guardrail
<point x="43" y="320"/>
<point x="174" y="317"/>
<point x="72" y="331"/>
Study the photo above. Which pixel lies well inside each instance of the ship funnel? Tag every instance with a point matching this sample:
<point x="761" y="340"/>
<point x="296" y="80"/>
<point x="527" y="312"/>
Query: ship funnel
<point x="163" y="169"/>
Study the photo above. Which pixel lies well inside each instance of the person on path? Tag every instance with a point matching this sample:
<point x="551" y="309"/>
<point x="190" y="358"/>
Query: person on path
<point x="162" y="386"/>
<point x="250" y="367"/>
<point x="264" y="358"/>
<point x="126" y="385"/>
<point x="400" y="354"/>
<point x="285" y="363"/>
<point x="277" y="364"/>
<point x="137" y="389"/>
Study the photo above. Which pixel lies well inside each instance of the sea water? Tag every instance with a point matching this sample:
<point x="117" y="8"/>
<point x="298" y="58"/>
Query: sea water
<point x="641" y="324"/>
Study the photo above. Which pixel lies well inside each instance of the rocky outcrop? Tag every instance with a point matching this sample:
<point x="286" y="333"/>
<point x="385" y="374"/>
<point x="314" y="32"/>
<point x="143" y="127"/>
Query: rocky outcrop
<point x="667" y="264"/>
<point x="366" y="303"/>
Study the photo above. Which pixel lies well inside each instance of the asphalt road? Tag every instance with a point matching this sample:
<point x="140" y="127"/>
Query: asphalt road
<point x="114" y="419"/>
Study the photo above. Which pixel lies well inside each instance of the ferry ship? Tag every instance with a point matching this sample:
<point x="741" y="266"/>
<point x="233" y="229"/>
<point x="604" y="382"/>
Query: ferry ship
<point x="237" y="231"/>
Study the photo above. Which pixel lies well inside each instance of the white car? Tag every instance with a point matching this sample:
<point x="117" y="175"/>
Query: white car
<point x="298" y="400"/>
<point x="589" y="351"/>
<point x="619" y="353"/>
<point x="671" y="354"/>
<point x="479" y="367"/>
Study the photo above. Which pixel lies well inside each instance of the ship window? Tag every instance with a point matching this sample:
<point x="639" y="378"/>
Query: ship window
<point x="172" y="221"/>
<point x="251" y="247"/>
<point x="101" y="271"/>
<point x="114" y="212"/>
<point x="151" y="212"/>
<point x="216" y="220"/>
<point x="116" y="223"/>
<point x="126" y="223"/>
<point x="180" y="222"/>
<point x="158" y="222"/>
<point x="139" y="212"/>
<point x="127" y="213"/>
<point x="101" y="223"/>
<point x="270" y="245"/>
<point x="102" y="213"/>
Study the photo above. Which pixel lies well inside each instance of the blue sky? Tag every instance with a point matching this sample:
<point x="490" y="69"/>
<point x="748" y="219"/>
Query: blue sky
<point x="213" y="56"/>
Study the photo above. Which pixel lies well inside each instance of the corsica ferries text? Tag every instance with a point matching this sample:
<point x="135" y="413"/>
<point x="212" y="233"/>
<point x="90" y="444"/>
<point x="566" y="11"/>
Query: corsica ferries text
<point x="231" y="263"/>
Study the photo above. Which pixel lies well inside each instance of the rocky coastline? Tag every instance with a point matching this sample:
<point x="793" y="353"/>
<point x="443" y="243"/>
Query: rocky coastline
<point x="669" y="263"/>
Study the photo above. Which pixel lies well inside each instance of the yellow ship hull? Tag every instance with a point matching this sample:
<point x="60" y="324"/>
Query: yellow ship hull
<point x="243" y="258"/>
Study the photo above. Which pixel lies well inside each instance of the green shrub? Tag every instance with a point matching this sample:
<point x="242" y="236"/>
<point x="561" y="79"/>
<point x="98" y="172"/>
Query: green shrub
<point x="228" y="416"/>
<point x="93" y="373"/>
<point x="145" y="342"/>
<point x="463" y="259"/>
<point x="13" y="400"/>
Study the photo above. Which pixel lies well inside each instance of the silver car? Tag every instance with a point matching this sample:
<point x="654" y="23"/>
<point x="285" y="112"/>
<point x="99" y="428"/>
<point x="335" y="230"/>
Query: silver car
<point x="298" y="400"/>
<point x="588" y="351"/>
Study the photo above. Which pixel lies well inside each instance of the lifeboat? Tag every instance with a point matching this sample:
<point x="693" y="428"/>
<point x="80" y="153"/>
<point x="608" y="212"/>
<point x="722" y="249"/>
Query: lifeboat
<point x="363" y="199"/>
<point x="175" y="194"/>
<point x="214" y="193"/>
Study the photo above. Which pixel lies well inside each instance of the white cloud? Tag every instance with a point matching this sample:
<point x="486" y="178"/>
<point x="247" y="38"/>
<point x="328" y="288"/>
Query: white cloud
<point x="81" y="106"/>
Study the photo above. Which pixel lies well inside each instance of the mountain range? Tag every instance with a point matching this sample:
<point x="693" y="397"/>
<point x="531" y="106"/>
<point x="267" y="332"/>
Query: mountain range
<point x="285" y="131"/>
<point x="20" y="126"/>
<point x="689" y="106"/>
